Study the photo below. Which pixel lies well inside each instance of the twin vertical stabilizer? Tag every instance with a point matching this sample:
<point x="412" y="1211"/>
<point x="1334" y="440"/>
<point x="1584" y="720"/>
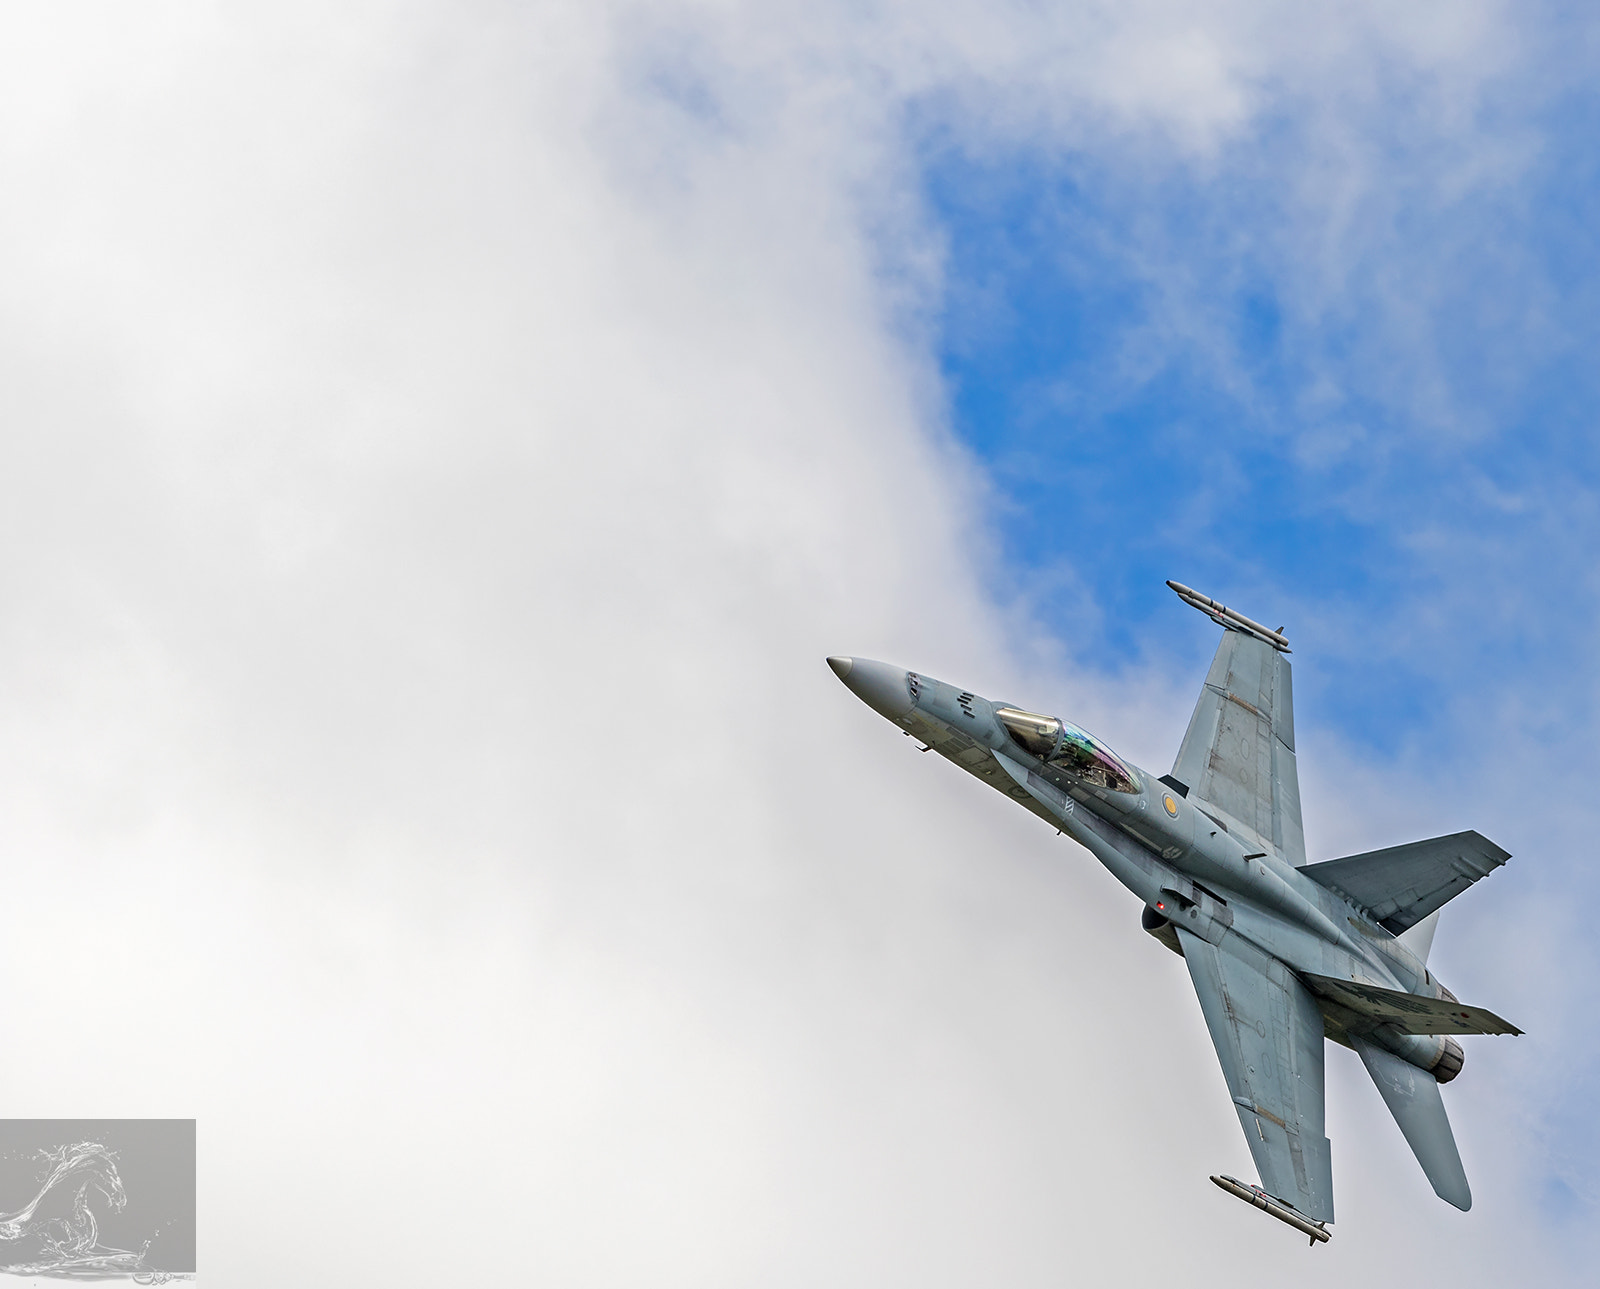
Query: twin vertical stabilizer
<point x="1412" y="1096"/>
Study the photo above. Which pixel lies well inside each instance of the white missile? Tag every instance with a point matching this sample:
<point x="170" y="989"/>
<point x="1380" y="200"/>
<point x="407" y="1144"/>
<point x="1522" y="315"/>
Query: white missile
<point x="1222" y="614"/>
<point x="1271" y="1204"/>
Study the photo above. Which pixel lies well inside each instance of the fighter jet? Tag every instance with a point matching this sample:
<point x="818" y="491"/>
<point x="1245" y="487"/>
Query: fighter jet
<point x="1283" y="954"/>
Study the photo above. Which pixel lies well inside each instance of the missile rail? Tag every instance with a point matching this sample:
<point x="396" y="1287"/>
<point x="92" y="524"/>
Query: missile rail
<point x="1254" y="1195"/>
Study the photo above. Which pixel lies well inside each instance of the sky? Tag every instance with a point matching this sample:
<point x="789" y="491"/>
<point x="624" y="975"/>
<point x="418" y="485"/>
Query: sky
<point x="441" y="444"/>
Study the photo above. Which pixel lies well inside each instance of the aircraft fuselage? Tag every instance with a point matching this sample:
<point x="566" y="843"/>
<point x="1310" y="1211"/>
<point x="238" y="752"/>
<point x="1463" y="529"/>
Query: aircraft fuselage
<point x="1189" y="866"/>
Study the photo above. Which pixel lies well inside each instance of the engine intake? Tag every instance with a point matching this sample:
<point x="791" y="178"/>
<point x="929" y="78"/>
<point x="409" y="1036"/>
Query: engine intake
<point x="1161" y="928"/>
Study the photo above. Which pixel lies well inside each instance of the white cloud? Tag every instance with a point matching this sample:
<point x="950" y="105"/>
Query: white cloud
<point x="440" y="453"/>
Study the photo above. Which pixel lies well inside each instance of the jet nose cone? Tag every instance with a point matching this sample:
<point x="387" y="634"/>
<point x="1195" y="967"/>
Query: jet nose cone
<point x="880" y="685"/>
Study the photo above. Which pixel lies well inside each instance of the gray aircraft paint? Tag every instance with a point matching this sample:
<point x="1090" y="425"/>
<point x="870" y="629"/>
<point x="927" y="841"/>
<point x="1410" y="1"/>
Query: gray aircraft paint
<point x="1282" y="954"/>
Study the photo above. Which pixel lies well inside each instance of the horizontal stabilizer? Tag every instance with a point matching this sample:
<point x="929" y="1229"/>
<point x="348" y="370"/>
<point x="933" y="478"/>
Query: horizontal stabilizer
<point x="1408" y="1013"/>
<point x="1412" y="1096"/>
<point x="1401" y="885"/>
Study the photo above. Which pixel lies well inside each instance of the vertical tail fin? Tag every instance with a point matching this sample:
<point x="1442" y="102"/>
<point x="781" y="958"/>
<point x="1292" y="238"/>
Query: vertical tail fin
<point x="1412" y="1096"/>
<point x="1419" y="938"/>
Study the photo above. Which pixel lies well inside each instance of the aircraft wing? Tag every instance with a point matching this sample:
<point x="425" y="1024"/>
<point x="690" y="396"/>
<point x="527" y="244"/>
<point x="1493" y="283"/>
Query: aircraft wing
<point x="1401" y="885"/>
<point x="1238" y="753"/>
<point x="1267" y="1030"/>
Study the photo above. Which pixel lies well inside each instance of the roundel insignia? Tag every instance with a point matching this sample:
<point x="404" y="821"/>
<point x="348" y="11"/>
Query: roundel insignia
<point x="1170" y="806"/>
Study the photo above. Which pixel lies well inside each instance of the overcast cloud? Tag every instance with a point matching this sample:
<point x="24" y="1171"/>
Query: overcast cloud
<point x="441" y="444"/>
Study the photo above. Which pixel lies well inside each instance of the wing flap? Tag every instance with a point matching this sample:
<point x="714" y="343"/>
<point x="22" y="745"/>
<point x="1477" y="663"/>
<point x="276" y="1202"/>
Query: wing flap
<point x="1401" y="885"/>
<point x="1267" y="1031"/>
<point x="1409" y="1013"/>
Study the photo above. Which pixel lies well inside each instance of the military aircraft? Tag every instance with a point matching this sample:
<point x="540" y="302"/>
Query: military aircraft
<point x="1282" y="953"/>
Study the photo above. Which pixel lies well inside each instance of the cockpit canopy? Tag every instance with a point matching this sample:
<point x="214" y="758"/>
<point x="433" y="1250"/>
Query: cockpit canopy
<point x="1067" y="748"/>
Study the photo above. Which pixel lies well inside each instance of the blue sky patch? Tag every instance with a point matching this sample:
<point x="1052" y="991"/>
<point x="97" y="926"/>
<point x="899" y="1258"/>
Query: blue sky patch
<point x="1382" y="439"/>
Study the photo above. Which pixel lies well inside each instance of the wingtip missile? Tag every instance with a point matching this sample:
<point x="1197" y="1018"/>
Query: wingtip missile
<point x="1254" y="1195"/>
<point x="1224" y="616"/>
